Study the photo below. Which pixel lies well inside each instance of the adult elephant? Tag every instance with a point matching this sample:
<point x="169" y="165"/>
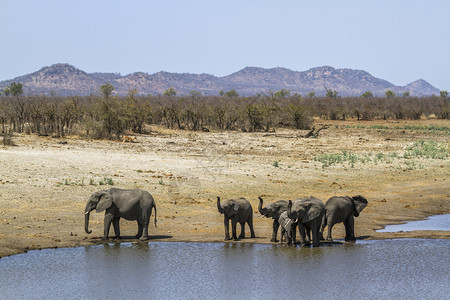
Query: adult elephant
<point x="135" y="204"/>
<point x="308" y="212"/>
<point x="238" y="211"/>
<point x="274" y="211"/>
<point x="340" y="209"/>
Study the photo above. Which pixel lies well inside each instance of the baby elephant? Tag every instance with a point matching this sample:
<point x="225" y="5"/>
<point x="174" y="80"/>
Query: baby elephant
<point x="288" y="227"/>
<point x="133" y="204"/>
<point x="342" y="209"/>
<point x="238" y="211"/>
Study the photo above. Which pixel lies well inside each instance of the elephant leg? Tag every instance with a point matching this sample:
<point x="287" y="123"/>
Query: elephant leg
<point x="330" y="228"/>
<point x="107" y="224"/>
<point x="282" y="234"/>
<point x="140" y="229"/>
<point x="294" y="233"/>
<point x="274" y="231"/>
<point x="250" y="225"/>
<point x="233" y="228"/>
<point x="301" y="231"/>
<point x="350" y="228"/>
<point x="145" y="221"/>
<point x="308" y="234"/>
<point x="242" y="235"/>
<point x="116" y="227"/>
<point x="322" y="227"/>
<point x="315" y="229"/>
<point x="226" y="223"/>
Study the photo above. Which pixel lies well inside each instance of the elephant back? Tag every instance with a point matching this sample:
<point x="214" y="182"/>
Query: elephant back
<point x="244" y="205"/>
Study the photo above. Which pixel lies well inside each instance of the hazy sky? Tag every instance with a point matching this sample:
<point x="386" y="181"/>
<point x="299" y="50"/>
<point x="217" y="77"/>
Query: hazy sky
<point x="397" y="40"/>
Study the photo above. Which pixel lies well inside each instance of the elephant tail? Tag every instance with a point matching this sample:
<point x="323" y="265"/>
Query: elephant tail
<point x="154" y="206"/>
<point x="322" y="226"/>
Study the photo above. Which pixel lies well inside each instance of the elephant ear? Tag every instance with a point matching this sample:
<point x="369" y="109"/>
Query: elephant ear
<point x="235" y="208"/>
<point x="104" y="202"/>
<point x="360" y="203"/>
<point x="312" y="211"/>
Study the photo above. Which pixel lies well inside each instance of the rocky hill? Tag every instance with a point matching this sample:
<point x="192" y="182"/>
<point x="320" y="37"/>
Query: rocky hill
<point x="64" y="79"/>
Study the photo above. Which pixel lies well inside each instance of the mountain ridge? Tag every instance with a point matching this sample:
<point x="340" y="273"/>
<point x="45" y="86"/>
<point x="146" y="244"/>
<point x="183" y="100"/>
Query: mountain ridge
<point x="65" y="79"/>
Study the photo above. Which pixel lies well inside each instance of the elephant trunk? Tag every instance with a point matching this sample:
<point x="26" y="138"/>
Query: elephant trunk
<point x="219" y="207"/>
<point x="289" y="210"/>
<point x="262" y="211"/>
<point x="86" y="219"/>
<point x="86" y="223"/>
<point x="355" y="211"/>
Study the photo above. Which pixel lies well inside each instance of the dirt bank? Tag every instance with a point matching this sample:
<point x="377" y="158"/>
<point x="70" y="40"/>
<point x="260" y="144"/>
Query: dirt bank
<point x="45" y="182"/>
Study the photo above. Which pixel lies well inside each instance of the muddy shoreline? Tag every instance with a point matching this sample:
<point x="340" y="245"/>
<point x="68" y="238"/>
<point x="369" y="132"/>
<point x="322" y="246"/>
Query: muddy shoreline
<point x="45" y="182"/>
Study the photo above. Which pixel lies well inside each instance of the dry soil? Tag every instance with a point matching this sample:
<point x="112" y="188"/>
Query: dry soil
<point x="45" y="182"/>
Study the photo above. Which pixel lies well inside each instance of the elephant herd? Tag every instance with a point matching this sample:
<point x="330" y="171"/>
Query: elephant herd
<point x="310" y="215"/>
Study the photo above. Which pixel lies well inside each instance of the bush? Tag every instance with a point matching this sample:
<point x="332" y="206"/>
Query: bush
<point x="111" y="117"/>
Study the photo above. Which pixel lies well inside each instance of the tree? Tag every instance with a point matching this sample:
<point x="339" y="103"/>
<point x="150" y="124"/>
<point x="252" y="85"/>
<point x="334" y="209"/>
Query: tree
<point x="331" y="93"/>
<point x="132" y="93"/>
<point x="106" y="89"/>
<point x="231" y="93"/>
<point x="283" y="93"/>
<point x="406" y="94"/>
<point x="390" y="94"/>
<point x="14" y="89"/>
<point x="311" y="94"/>
<point x="367" y="94"/>
<point x="444" y="94"/>
<point x="170" y="92"/>
<point x="195" y="94"/>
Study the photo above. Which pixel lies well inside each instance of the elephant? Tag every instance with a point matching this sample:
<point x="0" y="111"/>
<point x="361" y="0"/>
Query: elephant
<point x="308" y="212"/>
<point x="342" y="209"/>
<point x="135" y="204"/>
<point x="274" y="211"/>
<point x="288" y="227"/>
<point x="238" y="211"/>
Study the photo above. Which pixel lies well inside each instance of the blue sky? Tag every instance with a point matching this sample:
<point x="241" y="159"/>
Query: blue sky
<point x="397" y="40"/>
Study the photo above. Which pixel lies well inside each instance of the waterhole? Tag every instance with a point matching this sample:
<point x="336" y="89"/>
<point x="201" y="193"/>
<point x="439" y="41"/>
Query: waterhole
<point x="385" y="269"/>
<point x="438" y="222"/>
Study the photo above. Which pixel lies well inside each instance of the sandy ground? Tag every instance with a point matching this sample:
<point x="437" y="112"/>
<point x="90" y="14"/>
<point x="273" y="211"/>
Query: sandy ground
<point x="45" y="182"/>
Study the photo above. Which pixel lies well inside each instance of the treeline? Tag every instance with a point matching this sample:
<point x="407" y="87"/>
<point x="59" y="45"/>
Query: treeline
<point x="109" y="117"/>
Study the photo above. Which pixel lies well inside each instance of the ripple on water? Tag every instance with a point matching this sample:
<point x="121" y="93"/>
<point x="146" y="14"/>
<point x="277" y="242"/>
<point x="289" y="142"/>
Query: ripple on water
<point x="394" y="269"/>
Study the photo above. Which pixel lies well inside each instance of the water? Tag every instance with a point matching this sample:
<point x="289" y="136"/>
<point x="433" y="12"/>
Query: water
<point x="438" y="222"/>
<point x="386" y="269"/>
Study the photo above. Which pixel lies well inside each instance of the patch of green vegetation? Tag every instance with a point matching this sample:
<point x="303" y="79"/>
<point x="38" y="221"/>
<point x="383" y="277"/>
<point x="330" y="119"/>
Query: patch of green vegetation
<point x="340" y="158"/>
<point x="106" y="181"/>
<point x="420" y="149"/>
<point x="275" y="164"/>
<point x="81" y="182"/>
<point x="69" y="181"/>
<point x="427" y="149"/>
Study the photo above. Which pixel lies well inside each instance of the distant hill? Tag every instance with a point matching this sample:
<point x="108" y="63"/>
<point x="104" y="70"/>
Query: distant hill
<point x="65" y="79"/>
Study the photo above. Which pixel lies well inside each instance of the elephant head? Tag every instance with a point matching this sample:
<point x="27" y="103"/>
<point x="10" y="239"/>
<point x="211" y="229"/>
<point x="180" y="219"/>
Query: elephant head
<point x="272" y="210"/>
<point x="98" y="201"/>
<point x="304" y="210"/>
<point x="358" y="203"/>
<point x="229" y="208"/>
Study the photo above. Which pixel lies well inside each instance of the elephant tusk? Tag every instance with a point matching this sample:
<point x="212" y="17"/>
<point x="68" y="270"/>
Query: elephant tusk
<point x="87" y="212"/>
